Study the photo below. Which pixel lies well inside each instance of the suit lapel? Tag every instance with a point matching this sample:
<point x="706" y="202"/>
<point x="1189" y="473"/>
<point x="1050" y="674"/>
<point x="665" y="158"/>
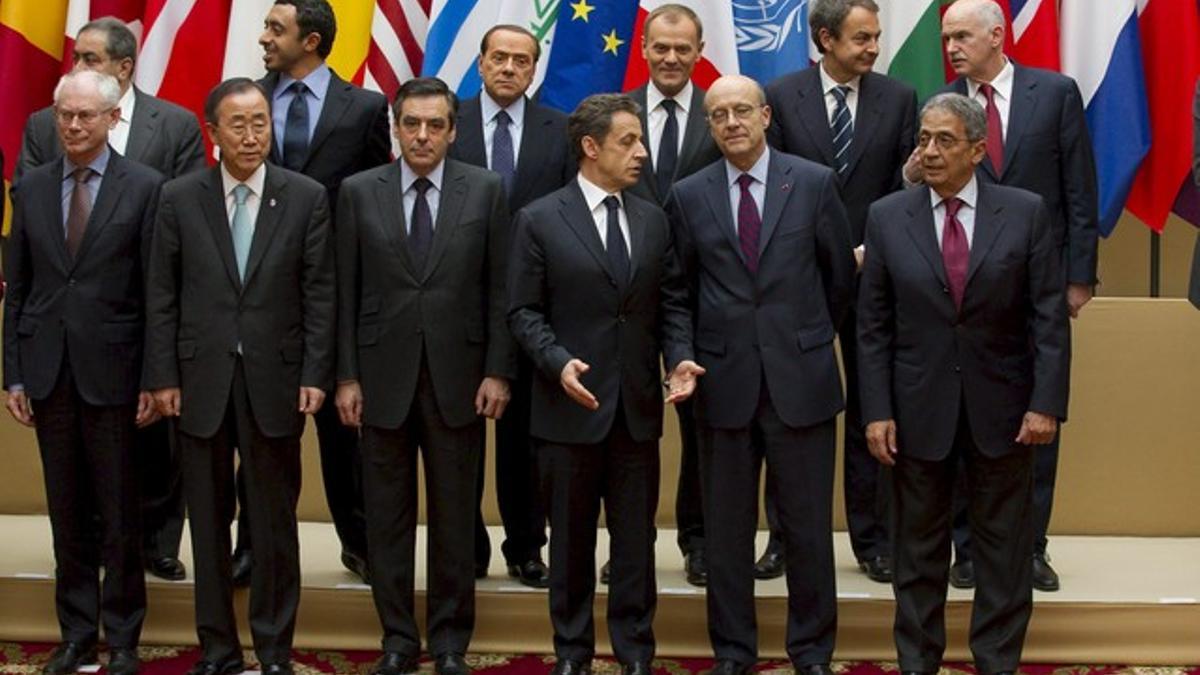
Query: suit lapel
<point x="717" y="196"/>
<point x="921" y="230"/>
<point x="212" y="202"/>
<point x="814" y="115"/>
<point x="637" y="236"/>
<point x="533" y="144"/>
<point x="270" y="208"/>
<point x="469" y="140"/>
<point x="269" y="83"/>
<point x="1021" y="108"/>
<point x="450" y="206"/>
<point x="693" y="136"/>
<point x="333" y="108"/>
<point x="574" y="211"/>
<point x="389" y="197"/>
<point x="142" y="126"/>
<point x="779" y="190"/>
<point x="866" y="120"/>
<point x="989" y="223"/>
<point x="106" y="202"/>
<point x="53" y="204"/>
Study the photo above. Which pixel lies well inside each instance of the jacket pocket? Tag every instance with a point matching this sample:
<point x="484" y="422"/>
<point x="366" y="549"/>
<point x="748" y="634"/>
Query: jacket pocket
<point x="368" y="335"/>
<point x="711" y="343"/>
<point x="27" y="325"/>
<point x="185" y="350"/>
<point x="811" y="338"/>
<point x="117" y="333"/>
<point x="370" y="305"/>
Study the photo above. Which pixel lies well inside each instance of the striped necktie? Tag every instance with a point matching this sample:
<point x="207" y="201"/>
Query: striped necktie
<point x="843" y="129"/>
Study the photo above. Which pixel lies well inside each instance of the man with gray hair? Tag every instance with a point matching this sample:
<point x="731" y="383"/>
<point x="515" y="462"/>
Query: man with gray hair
<point x="73" y="329"/>
<point x="964" y="358"/>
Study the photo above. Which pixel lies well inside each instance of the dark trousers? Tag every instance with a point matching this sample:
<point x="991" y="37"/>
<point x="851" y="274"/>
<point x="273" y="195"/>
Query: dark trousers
<point x="800" y="464"/>
<point x="88" y="464"/>
<point x="689" y="506"/>
<point x="517" y="490"/>
<point x="999" y="509"/>
<point x="622" y="473"/>
<point x="450" y="457"/>
<point x="271" y="469"/>
<point x="161" y="489"/>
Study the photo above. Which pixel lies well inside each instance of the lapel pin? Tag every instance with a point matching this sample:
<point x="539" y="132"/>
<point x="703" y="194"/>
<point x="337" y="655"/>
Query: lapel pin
<point x="271" y="203"/>
<point x="787" y="186"/>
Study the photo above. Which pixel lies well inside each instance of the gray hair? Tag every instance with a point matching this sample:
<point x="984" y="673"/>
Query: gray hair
<point x="119" y="41"/>
<point x="966" y="109"/>
<point x="829" y="14"/>
<point x="987" y="12"/>
<point x="103" y="84"/>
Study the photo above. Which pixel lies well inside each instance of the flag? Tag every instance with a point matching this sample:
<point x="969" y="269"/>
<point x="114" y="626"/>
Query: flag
<point x="912" y="44"/>
<point x="720" y="55"/>
<point x="1102" y="51"/>
<point x="398" y="30"/>
<point x="592" y="48"/>
<point x="1034" y="32"/>
<point x="1170" y="35"/>
<point x="243" y="55"/>
<point x="79" y="12"/>
<point x="772" y="37"/>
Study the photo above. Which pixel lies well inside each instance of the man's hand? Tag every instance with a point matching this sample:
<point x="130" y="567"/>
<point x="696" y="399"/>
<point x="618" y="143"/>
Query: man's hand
<point x="914" y="173"/>
<point x="147" y="411"/>
<point x="492" y="397"/>
<point x="349" y="401"/>
<point x="574" y="388"/>
<point x="19" y="407"/>
<point x="311" y="399"/>
<point x="682" y="382"/>
<point x="1037" y="429"/>
<point x="1078" y="295"/>
<point x="881" y="441"/>
<point x="167" y="401"/>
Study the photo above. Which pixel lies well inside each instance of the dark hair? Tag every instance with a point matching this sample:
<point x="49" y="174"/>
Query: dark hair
<point x="421" y="87"/>
<point x="230" y="87"/>
<point x="672" y="13"/>
<point x="593" y="117"/>
<point x="119" y="41"/>
<point x="315" y="16"/>
<point x="829" y="14"/>
<point x="511" y="28"/>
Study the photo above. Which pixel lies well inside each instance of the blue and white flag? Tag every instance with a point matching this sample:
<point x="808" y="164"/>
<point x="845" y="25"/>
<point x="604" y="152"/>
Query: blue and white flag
<point x="772" y="37"/>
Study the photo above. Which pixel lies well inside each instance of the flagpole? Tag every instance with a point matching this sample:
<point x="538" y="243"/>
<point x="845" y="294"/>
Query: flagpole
<point x="1155" y="263"/>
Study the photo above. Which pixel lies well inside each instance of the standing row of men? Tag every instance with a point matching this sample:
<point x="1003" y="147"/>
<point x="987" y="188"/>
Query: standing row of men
<point x="561" y="314"/>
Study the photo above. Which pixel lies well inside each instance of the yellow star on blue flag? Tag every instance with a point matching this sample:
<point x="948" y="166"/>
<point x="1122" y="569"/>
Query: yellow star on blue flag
<point x="589" y="54"/>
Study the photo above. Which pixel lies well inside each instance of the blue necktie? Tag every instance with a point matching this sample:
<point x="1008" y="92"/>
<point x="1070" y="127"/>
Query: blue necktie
<point x="503" y="161"/>
<point x="295" y="131"/>
<point x="843" y="129"/>
<point x="420" y="230"/>
<point x="242" y="228"/>
<point x="614" y="241"/>
<point x="668" y="150"/>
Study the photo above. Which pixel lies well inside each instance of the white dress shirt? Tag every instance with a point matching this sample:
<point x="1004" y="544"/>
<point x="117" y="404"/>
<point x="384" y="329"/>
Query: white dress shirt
<point x="656" y="116"/>
<point x="118" y="138"/>
<point x="1003" y="84"/>
<point x="433" y="196"/>
<point x="966" y="212"/>
<point x="758" y="188"/>
<point x="516" y="125"/>
<point x="593" y="196"/>
<point x="253" y="201"/>
<point x="828" y="84"/>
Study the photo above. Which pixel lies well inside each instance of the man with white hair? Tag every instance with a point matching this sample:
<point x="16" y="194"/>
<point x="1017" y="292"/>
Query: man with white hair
<point x="73" y="329"/>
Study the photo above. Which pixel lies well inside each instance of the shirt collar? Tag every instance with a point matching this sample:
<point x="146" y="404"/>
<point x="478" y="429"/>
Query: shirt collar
<point x="969" y="194"/>
<point x="1002" y="83"/>
<point x="593" y="194"/>
<point x="654" y="97"/>
<point x="98" y="165"/>
<point x="255" y="182"/>
<point x="828" y="83"/>
<point x="758" y="172"/>
<point x="488" y="107"/>
<point x="408" y="176"/>
<point x="317" y="82"/>
<point x="128" y="100"/>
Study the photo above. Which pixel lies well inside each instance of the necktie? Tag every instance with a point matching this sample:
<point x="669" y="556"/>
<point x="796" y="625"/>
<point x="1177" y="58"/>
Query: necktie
<point x="668" y="149"/>
<point x="748" y="223"/>
<point x="614" y="241"/>
<point x="503" y="161"/>
<point x="80" y="209"/>
<point x="956" y="252"/>
<point x="420" y="230"/>
<point x="995" y="130"/>
<point x="295" y="131"/>
<point x="242" y="228"/>
<point x="842" y="127"/>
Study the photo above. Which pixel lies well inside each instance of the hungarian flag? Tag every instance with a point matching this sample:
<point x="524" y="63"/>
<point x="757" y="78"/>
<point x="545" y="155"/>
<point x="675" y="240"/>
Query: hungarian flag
<point x="912" y="44"/>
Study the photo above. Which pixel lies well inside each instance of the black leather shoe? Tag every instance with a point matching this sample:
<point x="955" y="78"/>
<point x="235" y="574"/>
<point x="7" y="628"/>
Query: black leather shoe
<point x="696" y="568"/>
<point x="242" y="562"/>
<point x="277" y="669"/>
<point x="814" y="669"/>
<point x="451" y="664"/>
<point x="1044" y="576"/>
<point x="209" y="668"/>
<point x="394" y="663"/>
<point x="770" y="565"/>
<point x="962" y="574"/>
<point x="69" y="657"/>
<point x="123" y="662"/>
<point x="166" y="567"/>
<point x="728" y="667"/>
<point x="571" y="667"/>
<point x="637" y="668"/>
<point x="357" y="565"/>
<point x="604" y="573"/>
<point x="878" y="569"/>
<point x="532" y="573"/>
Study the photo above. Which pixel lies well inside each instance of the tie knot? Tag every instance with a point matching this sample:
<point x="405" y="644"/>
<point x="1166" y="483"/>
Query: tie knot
<point x="422" y="185"/>
<point x="82" y="175"/>
<point x="840" y="92"/>
<point x="745" y="181"/>
<point x="503" y="119"/>
<point x="952" y="205"/>
<point x="612" y="203"/>
<point x="241" y="192"/>
<point x="669" y="105"/>
<point x="298" y="88"/>
<point x="987" y="90"/>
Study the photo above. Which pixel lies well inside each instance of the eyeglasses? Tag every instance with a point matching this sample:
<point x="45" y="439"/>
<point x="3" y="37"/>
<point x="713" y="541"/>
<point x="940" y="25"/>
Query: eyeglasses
<point x="742" y="111"/>
<point x="85" y="117"/>
<point x="943" y="140"/>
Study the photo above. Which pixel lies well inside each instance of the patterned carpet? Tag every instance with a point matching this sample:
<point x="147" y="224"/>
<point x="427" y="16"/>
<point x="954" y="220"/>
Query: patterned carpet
<point x="29" y="658"/>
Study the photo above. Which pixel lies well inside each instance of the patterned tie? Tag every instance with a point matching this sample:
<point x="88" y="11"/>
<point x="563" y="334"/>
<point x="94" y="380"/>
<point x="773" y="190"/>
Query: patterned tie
<point x="241" y="228"/>
<point x="420" y="230"/>
<point x="503" y="161"/>
<point x="748" y="223"/>
<point x="842" y="127"/>
<point x="295" y="131"/>
<point x="956" y="252"/>
<point x="668" y="149"/>
<point x="614" y="241"/>
<point x="80" y="209"/>
<point x="995" y="130"/>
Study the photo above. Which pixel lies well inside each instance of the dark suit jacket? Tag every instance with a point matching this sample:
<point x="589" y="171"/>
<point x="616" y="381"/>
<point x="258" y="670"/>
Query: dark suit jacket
<point x="564" y="304"/>
<point x="884" y="135"/>
<point x="545" y="162"/>
<point x="351" y="134"/>
<point x="698" y="151"/>
<point x="90" y="307"/>
<point x="778" y="325"/>
<point x="162" y="135"/>
<point x="451" y="312"/>
<point x="1008" y="351"/>
<point x="198" y="310"/>
<point x="1047" y="151"/>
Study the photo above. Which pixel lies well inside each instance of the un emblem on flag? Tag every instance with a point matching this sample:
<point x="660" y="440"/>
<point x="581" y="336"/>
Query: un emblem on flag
<point x="766" y="25"/>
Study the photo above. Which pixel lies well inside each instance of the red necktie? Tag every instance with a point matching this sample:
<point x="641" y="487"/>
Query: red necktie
<point x="956" y="252"/>
<point x="995" y="134"/>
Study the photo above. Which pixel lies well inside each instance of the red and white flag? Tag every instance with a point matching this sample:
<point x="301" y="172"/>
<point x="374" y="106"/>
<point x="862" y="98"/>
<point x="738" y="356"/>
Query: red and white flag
<point x="720" y="56"/>
<point x="398" y="30"/>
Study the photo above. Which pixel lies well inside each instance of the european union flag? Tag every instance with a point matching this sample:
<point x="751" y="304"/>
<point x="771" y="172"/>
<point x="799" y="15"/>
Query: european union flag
<point x="591" y="49"/>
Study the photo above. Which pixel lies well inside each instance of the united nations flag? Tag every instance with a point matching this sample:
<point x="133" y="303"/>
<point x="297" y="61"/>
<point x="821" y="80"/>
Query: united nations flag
<point x="772" y="37"/>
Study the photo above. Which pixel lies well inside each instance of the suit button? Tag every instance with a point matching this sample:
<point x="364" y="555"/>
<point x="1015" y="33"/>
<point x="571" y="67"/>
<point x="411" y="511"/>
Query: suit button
<point x="71" y="283"/>
<point x="957" y="369"/>
<point x="946" y="289"/>
<point x="621" y="318"/>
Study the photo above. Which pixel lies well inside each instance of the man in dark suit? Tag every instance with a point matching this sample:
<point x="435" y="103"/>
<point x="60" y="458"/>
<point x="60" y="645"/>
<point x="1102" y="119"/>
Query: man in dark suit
<point x="240" y="314"/>
<point x="1038" y="141"/>
<point x="595" y="299"/>
<point x="166" y="138"/>
<point x="964" y="358"/>
<point x="329" y="131"/>
<point x="416" y="238"/>
<point x="769" y="291"/>
<point x="73" y="329"/>
<point x="526" y="143"/>
<point x="860" y="124"/>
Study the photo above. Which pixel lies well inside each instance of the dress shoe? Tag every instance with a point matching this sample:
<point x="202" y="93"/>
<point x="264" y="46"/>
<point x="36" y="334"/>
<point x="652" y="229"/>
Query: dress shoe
<point x="357" y="564"/>
<point x="636" y="668"/>
<point x="242" y="562"/>
<point x="166" y="567"/>
<point x="878" y="569"/>
<point x="532" y="573"/>
<point x="451" y="664"/>
<point x="123" y="662"/>
<point x="1044" y="576"/>
<point x="394" y="663"/>
<point x="814" y="669"/>
<point x="209" y="668"/>
<point x="571" y="667"/>
<point x="770" y="565"/>
<point x="68" y="657"/>
<point x="696" y="568"/>
<point x="604" y="573"/>
<point x="962" y="574"/>
<point x="277" y="669"/>
<point x="730" y="667"/>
